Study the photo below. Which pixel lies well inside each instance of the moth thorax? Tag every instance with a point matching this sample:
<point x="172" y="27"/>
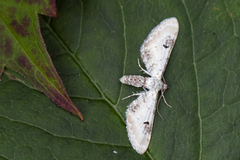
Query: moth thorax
<point x="154" y="83"/>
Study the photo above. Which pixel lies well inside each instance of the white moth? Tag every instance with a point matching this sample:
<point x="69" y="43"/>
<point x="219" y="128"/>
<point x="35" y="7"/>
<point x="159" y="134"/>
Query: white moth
<point x="155" y="52"/>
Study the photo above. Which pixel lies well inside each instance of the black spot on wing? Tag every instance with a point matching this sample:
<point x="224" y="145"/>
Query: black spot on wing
<point x="165" y="46"/>
<point x="146" y="122"/>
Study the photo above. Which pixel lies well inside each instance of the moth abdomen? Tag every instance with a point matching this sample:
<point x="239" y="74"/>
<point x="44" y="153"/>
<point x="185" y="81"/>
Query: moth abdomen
<point x="136" y="81"/>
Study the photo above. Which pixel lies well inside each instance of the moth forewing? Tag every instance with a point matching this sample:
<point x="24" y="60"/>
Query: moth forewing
<point x="157" y="47"/>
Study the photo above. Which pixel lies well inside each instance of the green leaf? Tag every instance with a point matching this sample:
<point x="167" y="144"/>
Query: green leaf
<point x="93" y="44"/>
<point x="22" y="49"/>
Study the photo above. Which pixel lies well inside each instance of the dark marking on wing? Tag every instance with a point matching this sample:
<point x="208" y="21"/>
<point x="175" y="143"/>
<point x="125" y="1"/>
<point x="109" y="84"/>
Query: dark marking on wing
<point x="165" y="46"/>
<point x="168" y="42"/>
<point x="146" y="122"/>
<point x="133" y="107"/>
<point x="147" y="129"/>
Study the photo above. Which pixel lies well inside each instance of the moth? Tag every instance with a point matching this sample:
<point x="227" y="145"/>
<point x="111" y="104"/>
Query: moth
<point x="155" y="52"/>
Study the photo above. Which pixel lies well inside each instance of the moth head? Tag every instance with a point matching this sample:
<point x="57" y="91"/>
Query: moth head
<point x="165" y="87"/>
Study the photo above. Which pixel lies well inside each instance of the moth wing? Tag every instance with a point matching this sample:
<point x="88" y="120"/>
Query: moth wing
<point x="140" y="116"/>
<point x="157" y="47"/>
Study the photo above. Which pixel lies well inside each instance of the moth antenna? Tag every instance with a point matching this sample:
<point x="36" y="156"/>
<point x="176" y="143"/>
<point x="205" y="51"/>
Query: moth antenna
<point x="163" y="79"/>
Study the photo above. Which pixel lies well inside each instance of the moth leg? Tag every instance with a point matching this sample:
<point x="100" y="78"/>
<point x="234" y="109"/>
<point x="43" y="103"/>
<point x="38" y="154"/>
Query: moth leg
<point x="165" y="100"/>
<point x="133" y="94"/>
<point x="143" y="69"/>
<point x="144" y="89"/>
<point x="157" y="108"/>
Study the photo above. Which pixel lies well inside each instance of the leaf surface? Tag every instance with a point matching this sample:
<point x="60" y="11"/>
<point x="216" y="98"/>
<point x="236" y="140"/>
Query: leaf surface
<point x="93" y="44"/>
<point x="23" y="50"/>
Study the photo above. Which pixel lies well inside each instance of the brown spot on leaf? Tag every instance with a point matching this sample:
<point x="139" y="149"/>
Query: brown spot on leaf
<point x="24" y="62"/>
<point x="49" y="73"/>
<point x="5" y="44"/>
<point x="8" y="47"/>
<point x="21" y="29"/>
<point x="26" y="21"/>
